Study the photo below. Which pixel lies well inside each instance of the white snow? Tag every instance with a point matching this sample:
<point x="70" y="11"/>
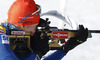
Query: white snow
<point x="86" y="12"/>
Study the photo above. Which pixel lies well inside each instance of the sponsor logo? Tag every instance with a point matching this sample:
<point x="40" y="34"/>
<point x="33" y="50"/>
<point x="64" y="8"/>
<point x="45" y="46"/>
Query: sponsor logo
<point x="26" y="18"/>
<point x="60" y="35"/>
<point x="17" y="32"/>
<point x="24" y="22"/>
<point x="5" y="39"/>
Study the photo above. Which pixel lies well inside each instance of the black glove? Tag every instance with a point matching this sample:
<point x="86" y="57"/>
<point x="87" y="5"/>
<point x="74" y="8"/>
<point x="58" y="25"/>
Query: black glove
<point x="39" y="45"/>
<point x="78" y="39"/>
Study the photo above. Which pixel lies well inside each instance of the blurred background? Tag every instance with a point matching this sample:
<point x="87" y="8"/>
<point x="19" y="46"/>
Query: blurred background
<point x="86" y="12"/>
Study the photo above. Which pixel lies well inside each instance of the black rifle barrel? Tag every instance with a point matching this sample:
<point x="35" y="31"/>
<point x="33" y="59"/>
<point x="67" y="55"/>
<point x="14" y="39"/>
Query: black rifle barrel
<point x="94" y="31"/>
<point x="91" y="31"/>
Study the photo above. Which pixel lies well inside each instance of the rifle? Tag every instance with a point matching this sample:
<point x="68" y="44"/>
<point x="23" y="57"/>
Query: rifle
<point x="57" y="35"/>
<point x="22" y="38"/>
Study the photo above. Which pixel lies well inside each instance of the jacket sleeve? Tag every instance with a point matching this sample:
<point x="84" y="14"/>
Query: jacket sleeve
<point x="58" y="55"/>
<point x="5" y="50"/>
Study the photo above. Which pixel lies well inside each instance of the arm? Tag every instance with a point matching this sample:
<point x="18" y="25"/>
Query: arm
<point x="5" y="50"/>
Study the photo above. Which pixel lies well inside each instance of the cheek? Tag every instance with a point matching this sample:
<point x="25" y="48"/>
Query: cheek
<point x="32" y="30"/>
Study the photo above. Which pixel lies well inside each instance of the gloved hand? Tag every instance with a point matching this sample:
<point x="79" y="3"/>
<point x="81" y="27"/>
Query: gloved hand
<point x="78" y="39"/>
<point x="39" y="46"/>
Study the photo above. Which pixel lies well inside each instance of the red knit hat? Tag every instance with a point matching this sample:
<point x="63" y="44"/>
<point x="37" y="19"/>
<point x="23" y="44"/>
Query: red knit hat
<point x="24" y="12"/>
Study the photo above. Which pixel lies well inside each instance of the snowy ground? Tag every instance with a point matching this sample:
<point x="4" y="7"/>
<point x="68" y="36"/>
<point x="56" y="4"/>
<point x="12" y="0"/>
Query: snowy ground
<point x="86" y="12"/>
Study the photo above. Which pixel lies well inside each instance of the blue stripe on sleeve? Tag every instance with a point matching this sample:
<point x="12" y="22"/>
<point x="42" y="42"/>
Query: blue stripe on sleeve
<point x="58" y="55"/>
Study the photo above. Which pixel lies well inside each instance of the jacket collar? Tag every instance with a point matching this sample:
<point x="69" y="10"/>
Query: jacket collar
<point x="9" y="27"/>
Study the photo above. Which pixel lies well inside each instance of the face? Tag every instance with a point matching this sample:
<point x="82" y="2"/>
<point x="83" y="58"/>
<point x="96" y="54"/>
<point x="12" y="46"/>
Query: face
<point x="27" y="28"/>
